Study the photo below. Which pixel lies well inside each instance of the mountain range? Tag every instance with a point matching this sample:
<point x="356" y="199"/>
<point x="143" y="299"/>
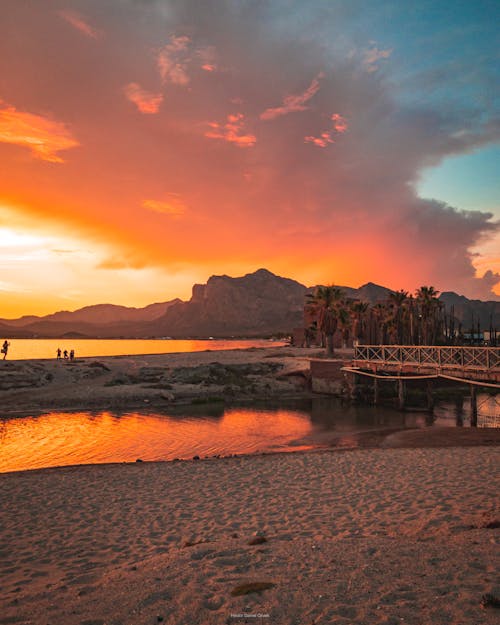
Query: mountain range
<point x="257" y="304"/>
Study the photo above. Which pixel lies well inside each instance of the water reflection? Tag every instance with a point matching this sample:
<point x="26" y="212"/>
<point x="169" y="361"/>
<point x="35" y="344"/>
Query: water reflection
<point x="456" y="412"/>
<point x="333" y="414"/>
<point x="57" y="439"/>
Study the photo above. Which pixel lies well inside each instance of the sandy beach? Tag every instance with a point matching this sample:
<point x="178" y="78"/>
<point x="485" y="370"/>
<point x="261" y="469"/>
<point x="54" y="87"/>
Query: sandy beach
<point x="367" y="536"/>
<point x="382" y="527"/>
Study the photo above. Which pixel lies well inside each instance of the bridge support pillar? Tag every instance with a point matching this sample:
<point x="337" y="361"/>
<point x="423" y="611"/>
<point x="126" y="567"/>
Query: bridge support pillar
<point x="430" y="396"/>
<point x="351" y="380"/>
<point x="375" y="391"/>
<point x="473" y="406"/>
<point x="401" y="394"/>
<point x="459" y="411"/>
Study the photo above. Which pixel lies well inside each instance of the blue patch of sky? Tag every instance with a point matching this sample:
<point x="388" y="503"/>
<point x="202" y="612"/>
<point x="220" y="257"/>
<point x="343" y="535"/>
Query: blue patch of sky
<point x="445" y="57"/>
<point x="445" y="53"/>
<point x="470" y="182"/>
<point x="441" y="49"/>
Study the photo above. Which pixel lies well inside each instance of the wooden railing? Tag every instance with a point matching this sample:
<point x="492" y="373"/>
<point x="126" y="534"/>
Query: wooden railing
<point x="479" y="358"/>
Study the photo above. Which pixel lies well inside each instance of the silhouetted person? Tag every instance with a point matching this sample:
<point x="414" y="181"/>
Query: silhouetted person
<point x="65" y="354"/>
<point x="58" y="353"/>
<point x="72" y="354"/>
<point x="5" y="348"/>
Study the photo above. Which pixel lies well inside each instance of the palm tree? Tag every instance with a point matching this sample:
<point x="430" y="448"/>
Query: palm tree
<point x="328" y="304"/>
<point x="430" y="309"/>
<point x="345" y="325"/>
<point x="358" y="319"/>
<point x="383" y="316"/>
<point x="397" y="301"/>
<point x="311" y="333"/>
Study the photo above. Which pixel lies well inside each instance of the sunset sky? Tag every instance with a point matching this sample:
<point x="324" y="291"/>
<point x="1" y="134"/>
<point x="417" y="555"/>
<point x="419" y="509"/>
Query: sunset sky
<point x="146" y="145"/>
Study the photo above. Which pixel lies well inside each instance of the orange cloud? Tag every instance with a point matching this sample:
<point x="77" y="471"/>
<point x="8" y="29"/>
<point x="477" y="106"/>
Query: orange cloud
<point x="322" y="141"/>
<point x="172" y="206"/>
<point x="207" y="57"/>
<point x="232" y="131"/>
<point x="146" y="102"/>
<point x="173" y="60"/>
<point x="293" y="103"/>
<point x="77" y="21"/>
<point x="339" y="123"/>
<point x="43" y="136"/>
<point x="326" y="137"/>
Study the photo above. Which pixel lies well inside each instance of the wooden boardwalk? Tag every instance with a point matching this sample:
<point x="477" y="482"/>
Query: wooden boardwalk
<point x="474" y="365"/>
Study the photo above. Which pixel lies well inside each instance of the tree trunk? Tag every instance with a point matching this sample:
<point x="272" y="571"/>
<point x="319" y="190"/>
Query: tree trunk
<point x="329" y="345"/>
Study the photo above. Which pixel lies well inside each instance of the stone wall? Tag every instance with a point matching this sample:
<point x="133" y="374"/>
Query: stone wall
<point x="327" y="377"/>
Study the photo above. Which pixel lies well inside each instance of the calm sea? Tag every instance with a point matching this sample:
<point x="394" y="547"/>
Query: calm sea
<point x="58" y="439"/>
<point x="21" y="349"/>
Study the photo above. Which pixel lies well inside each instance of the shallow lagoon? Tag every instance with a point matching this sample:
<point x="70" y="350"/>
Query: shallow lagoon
<point x="58" y="438"/>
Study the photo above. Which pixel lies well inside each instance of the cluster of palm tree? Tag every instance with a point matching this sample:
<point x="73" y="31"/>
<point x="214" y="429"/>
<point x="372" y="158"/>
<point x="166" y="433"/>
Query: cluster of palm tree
<point x="402" y="319"/>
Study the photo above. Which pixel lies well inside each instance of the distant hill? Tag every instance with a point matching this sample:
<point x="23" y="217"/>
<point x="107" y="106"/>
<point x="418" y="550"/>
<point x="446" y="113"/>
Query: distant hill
<point x="84" y="319"/>
<point x="369" y="292"/>
<point x="10" y="332"/>
<point x="257" y="304"/>
<point x="109" y="313"/>
<point x="469" y="311"/>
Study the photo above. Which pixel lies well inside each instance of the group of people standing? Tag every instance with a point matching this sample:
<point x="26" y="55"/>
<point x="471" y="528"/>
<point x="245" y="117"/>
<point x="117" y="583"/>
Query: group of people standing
<point x="65" y="354"/>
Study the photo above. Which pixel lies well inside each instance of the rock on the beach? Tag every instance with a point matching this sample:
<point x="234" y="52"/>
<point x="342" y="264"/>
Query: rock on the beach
<point x="14" y="376"/>
<point x="258" y="540"/>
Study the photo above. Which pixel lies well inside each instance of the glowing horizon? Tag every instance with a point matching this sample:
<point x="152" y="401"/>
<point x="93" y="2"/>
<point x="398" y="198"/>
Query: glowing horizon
<point x="146" y="148"/>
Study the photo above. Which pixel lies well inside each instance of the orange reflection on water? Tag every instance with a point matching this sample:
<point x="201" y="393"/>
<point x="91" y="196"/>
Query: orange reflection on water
<point x="59" y="439"/>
